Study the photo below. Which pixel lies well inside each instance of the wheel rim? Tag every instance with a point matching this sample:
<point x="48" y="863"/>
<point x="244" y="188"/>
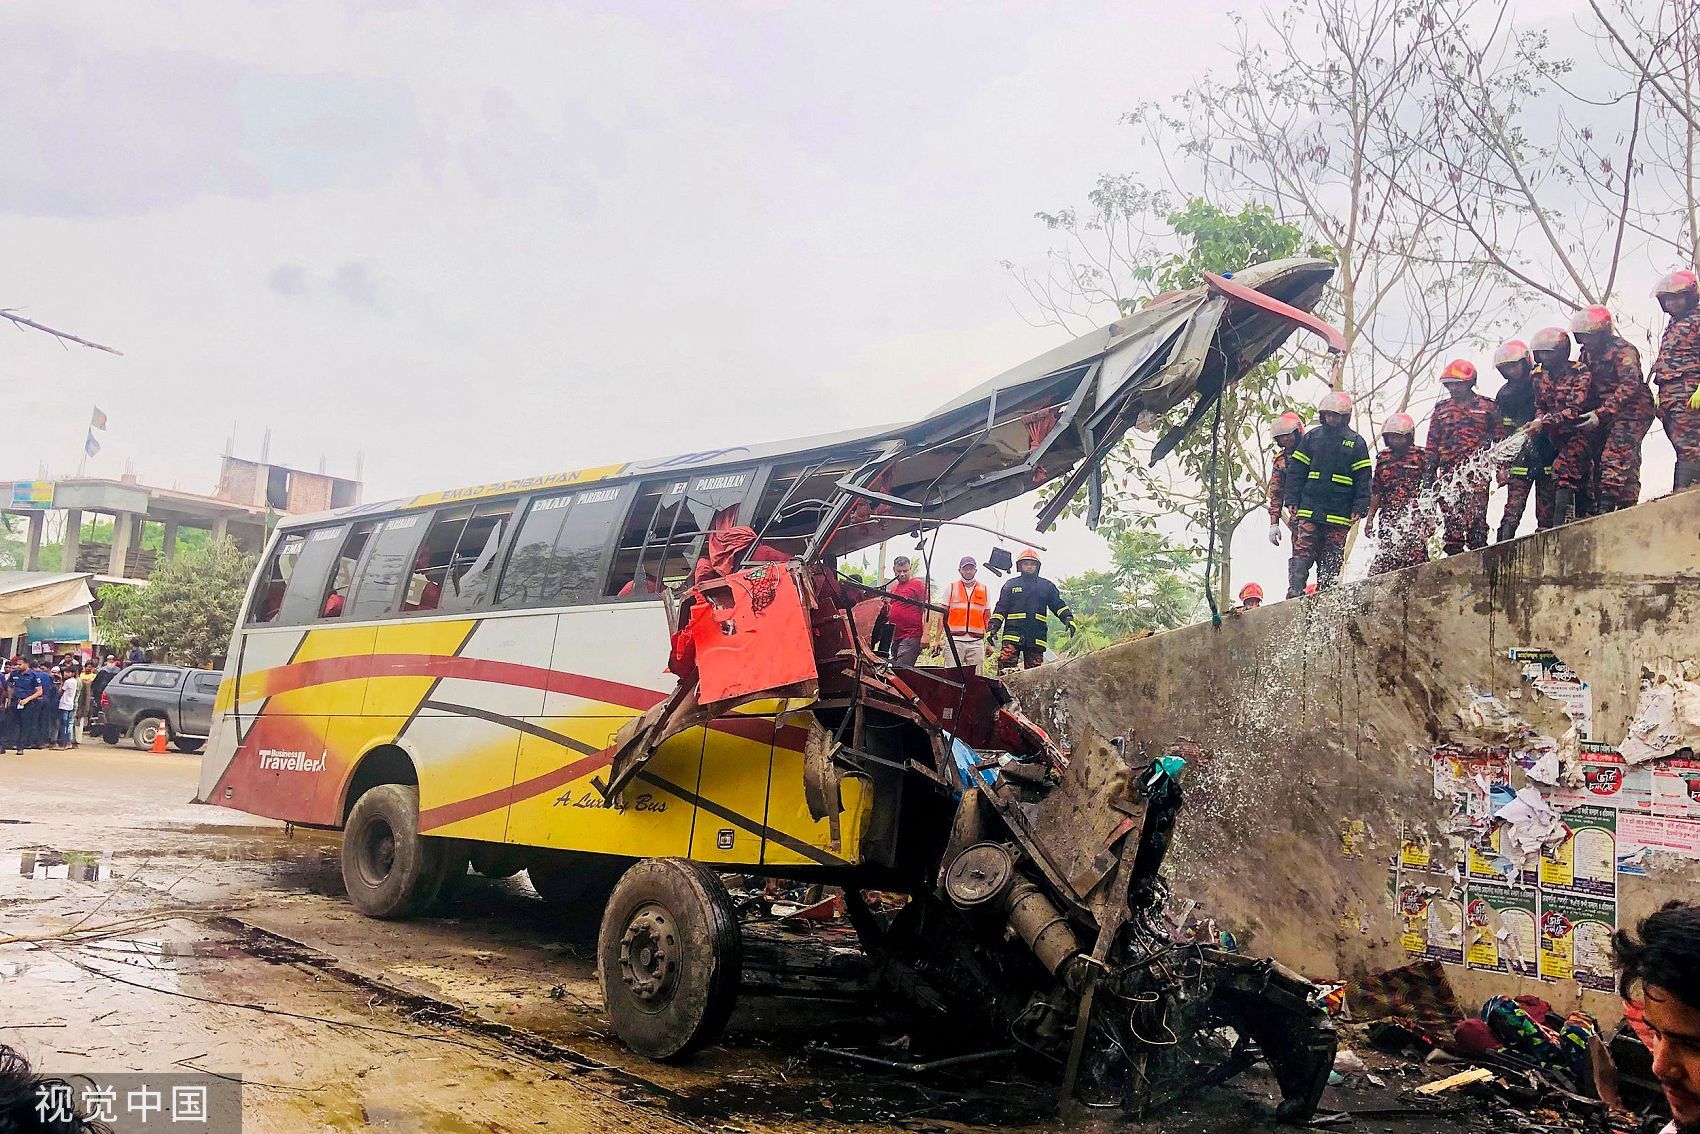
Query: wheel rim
<point x="149" y="731"/>
<point x="377" y="853"/>
<point x="649" y="955"/>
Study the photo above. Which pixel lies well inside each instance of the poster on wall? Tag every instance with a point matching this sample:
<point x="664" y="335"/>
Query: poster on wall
<point x="1500" y="929"/>
<point x="1575" y="939"/>
<point x="1550" y="677"/>
<point x="1586" y="862"/>
<point x="1432" y="925"/>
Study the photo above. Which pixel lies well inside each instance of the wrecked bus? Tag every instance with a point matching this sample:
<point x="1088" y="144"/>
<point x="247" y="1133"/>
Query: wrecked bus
<point x="480" y="677"/>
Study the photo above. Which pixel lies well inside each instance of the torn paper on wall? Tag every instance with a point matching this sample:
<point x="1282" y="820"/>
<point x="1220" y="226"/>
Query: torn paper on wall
<point x="1666" y="721"/>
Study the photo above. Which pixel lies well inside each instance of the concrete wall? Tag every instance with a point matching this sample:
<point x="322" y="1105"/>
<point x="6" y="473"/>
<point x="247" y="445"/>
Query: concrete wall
<point x="1319" y="719"/>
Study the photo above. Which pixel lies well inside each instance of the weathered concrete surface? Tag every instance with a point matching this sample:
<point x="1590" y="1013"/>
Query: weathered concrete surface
<point x="1321" y="714"/>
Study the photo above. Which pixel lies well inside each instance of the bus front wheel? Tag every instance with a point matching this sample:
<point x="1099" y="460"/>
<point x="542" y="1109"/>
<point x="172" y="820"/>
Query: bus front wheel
<point x="669" y="957"/>
<point x="388" y="868"/>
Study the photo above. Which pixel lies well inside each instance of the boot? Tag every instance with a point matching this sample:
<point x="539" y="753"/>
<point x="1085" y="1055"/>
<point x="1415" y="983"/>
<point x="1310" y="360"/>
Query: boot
<point x="1298" y="574"/>
<point x="1563" y="506"/>
<point x="1507" y="531"/>
<point x="1687" y="475"/>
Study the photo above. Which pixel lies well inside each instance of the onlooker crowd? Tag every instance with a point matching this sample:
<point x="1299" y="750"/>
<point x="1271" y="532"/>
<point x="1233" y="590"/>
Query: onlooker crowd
<point x="46" y="704"/>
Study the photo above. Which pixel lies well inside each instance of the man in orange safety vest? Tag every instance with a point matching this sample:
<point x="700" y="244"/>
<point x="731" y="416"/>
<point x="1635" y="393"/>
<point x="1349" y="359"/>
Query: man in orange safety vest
<point x="967" y="615"/>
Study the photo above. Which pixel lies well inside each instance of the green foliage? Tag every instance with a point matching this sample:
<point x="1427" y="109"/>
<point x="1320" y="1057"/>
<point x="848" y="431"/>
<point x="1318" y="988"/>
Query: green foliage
<point x="1150" y="586"/>
<point x="188" y="608"/>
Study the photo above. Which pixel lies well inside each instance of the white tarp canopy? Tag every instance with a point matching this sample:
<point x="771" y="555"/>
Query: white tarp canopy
<point x="40" y="594"/>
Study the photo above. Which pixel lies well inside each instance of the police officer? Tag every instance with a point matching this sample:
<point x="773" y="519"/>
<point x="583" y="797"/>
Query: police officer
<point x="1020" y="621"/>
<point x="1327" y="486"/>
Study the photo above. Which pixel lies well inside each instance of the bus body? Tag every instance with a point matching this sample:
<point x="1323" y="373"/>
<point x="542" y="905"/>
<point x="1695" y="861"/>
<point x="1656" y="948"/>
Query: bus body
<point x="628" y="679"/>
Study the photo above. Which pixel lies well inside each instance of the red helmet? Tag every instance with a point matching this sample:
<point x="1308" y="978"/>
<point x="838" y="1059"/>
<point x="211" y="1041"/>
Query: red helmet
<point x="1550" y="338"/>
<point x="1335" y="401"/>
<point x="1591" y="321"/>
<point x="1026" y="554"/>
<point x="1459" y="370"/>
<point x="1251" y="590"/>
<point x="1288" y="423"/>
<point x="1676" y="283"/>
<point x="1399" y="423"/>
<point x="1512" y="350"/>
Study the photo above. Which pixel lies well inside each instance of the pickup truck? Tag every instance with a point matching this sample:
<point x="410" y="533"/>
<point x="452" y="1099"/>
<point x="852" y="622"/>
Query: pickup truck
<point x="142" y="699"/>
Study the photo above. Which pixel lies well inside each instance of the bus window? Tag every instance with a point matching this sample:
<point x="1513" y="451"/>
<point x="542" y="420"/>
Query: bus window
<point x="431" y="565"/>
<point x="342" y="575"/>
<point x="664" y="531"/>
<point x="806" y="488"/>
<point x="268" y="596"/>
<point x="557" y="555"/>
<point x="389" y="559"/>
<point x="472" y="564"/>
<point x="306" y="594"/>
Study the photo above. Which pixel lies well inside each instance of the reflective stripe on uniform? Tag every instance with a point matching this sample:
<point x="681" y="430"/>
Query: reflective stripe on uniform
<point x="1017" y="614"/>
<point x="1344" y="520"/>
<point x="1519" y="470"/>
<point x="1299" y="455"/>
<point x="1315" y="476"/>
<point x="1363" y="464"/>
<point x="1305" y="513"/>
<point x="1341" y="479"/>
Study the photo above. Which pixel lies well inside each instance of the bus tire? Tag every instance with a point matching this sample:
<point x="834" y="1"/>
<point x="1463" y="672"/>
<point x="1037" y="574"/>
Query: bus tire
<point x="187" y="746"/>
<point x="388" y="868"/>
<point x="576" y="883"/>
<point x="669" y="957"/>
<point x="495" y="861"/>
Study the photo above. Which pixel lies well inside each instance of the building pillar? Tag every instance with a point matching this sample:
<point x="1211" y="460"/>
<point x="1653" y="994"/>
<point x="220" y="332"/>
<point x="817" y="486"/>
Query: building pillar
<point x="123" y="532"/>
<point x="73" y="539"/>
<point x="221" y="528"/>
<point x="32" y="548"/>
<point x="168" y="542"/>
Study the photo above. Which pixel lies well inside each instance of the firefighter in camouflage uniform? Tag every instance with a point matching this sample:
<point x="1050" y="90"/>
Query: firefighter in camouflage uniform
<point x="1620" y="396"/>
<point x="1327" y="487"/>
<point x="1405" y="526"/>
<point x="1460" y="429"/>
<point x="1563" y="415"/>
<point x="1677" y="372"/>
<point x="1530" y="468"/>
<point x="1289" y="427"/>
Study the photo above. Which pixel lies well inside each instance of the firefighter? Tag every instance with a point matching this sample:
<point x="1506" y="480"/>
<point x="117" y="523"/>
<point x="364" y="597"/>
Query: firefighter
<point x="1677" y="373"/>
<point x="1564" y="416"/>
<point x="1327" y="487"/>
<point x="1530" y="468"/>
<point x="1403" y="534"/>
<point x="1289" y="427"/>
<point x="1251" y="597"/>
<point x="1019" y="621"/>
<point x="1460" y="429"/>
<point x="1620" y="396"/>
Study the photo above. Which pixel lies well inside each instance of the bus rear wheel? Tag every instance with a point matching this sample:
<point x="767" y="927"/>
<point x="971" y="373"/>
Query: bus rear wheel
<point x="669" y="957"/>
<point x="388" y="868"/>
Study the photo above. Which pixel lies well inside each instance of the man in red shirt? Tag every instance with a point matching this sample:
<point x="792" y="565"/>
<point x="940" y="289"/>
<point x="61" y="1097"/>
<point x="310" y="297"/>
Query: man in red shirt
<point x="906" y="618"/>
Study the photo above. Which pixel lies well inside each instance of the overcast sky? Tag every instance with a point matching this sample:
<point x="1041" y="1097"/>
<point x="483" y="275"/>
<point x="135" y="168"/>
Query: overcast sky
<point x="477" y="241"/>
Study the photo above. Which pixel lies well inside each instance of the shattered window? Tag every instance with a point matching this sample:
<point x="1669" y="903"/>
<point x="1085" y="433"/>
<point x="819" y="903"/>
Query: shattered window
<point x="557" y="555"/>
<point x="268" y="596"/>
<point x="664" y="530"/>
<point x="472" y="564"/>
<point x="389" y="559"/>
<point x="335" y="600"/>
<point x="305" y="594"/>
<point x="806" y="488"/>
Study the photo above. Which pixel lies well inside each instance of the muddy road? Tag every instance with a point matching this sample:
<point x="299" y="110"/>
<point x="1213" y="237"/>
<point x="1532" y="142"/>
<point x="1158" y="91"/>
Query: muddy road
<point x="213" y="941"/>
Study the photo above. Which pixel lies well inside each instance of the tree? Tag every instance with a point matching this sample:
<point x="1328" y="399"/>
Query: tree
<point x="1150" y="586"/>
<point x="188" y="608"/>
<point x="1216" y="476"/>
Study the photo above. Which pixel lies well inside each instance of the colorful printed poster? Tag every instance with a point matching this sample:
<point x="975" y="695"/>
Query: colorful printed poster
<point x="1550" y="677"/>
<point x="1413" y="917"/>
<point x="1575" y="939"/>
<point x="1675" y="788"/>
<point x="1607" y="781"/>
<point x="1414" y="852"/>
<point x="1446" y="930"/>
<point x="1639" y="835"/>
<point x="1499" y="929"/>
<point x="1586" y="862"/>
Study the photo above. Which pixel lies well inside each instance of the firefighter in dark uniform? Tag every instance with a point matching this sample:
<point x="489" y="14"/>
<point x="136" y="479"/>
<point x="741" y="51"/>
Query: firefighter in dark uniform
<point x="1565" y="417"/>
<point x="1531" y="466"/>
<point x="1327" y="486"/>
<point x="1019" y="620"/>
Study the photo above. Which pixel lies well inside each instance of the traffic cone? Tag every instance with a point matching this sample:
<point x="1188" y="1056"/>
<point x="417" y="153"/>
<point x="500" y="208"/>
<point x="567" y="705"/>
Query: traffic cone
<point x="159" y="739"/>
